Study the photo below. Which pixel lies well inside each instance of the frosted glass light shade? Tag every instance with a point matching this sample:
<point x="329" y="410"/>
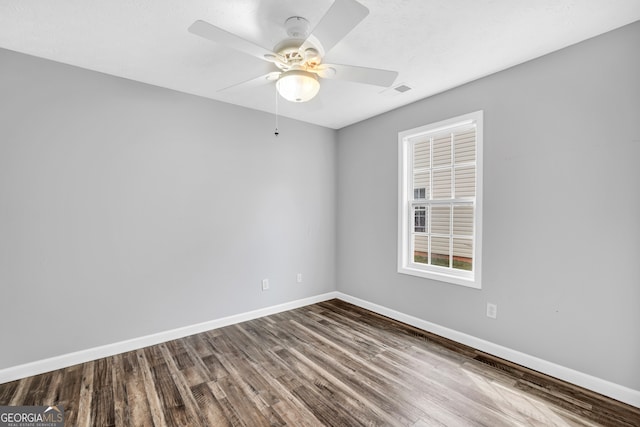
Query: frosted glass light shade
<point x="298" y="85"/>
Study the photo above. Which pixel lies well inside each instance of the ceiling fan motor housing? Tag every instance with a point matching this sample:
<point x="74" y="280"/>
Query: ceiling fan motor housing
<point x="297" y="27"/>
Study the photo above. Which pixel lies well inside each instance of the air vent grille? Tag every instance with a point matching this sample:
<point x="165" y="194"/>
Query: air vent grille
<point x="401" y="88"/>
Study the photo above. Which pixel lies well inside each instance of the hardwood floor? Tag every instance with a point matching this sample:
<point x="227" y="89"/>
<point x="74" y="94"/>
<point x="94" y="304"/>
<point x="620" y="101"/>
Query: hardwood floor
<point x="325" y="364"/>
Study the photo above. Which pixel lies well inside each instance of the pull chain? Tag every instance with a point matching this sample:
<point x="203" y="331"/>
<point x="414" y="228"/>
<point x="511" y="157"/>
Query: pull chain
<point x="276" y="133"/>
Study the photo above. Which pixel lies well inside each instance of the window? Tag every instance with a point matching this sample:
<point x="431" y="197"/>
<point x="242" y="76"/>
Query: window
<point x="440" y="200"/>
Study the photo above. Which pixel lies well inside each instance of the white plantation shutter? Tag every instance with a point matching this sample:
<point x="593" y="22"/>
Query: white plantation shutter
<point x="440" y="197"/>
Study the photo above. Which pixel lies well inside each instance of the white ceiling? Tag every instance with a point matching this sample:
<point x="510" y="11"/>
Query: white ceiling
<point x="433" y="44"/>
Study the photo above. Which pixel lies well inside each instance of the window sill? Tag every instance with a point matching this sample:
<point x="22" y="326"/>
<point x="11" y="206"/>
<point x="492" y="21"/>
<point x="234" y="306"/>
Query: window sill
<point x="468" y="282"/>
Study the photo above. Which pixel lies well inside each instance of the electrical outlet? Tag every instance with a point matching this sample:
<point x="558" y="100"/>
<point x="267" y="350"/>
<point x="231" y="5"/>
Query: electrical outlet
<point x="492" y="310"/>
<point x="265" y="284"/>
<point x="299" y="278"/>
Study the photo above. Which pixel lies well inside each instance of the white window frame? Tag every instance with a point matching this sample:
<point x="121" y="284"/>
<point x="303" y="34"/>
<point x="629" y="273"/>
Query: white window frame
<point x="406" y="264"/>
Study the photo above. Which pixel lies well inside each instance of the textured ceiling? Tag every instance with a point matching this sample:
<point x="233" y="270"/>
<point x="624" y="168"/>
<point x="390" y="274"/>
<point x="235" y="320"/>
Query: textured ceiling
<point x="434" y="45"/>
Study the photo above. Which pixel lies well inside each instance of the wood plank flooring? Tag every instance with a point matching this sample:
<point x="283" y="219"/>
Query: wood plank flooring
<point x="327" y="364"/>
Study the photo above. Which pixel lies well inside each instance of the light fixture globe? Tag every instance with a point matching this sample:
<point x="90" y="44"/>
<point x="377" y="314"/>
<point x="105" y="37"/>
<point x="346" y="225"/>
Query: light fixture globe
<point x="298" y="85"/>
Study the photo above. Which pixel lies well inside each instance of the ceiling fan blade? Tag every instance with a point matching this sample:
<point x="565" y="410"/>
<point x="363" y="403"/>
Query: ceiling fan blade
<point x="352" y="73"/>
<point x="340" y="19"/>
<point x="218" y="35"/>
<point x="253" y="82"/>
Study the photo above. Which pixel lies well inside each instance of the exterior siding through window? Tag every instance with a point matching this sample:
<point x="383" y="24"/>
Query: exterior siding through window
<point x="439" y="199"/>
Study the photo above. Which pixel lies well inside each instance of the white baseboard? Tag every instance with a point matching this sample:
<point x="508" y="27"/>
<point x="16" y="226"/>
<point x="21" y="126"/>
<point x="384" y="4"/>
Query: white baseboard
<point x="615" y="391"/>
<point x="70" y="359"/>
<point x="598" y="385"/>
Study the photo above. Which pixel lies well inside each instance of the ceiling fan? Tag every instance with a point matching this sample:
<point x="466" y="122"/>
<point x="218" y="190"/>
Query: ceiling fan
<point x="298" y="58"/>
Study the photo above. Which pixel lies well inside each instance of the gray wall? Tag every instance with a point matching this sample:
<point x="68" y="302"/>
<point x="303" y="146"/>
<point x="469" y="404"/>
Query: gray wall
<point x="126" y="209"/>
<point x="561" y="248"/>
